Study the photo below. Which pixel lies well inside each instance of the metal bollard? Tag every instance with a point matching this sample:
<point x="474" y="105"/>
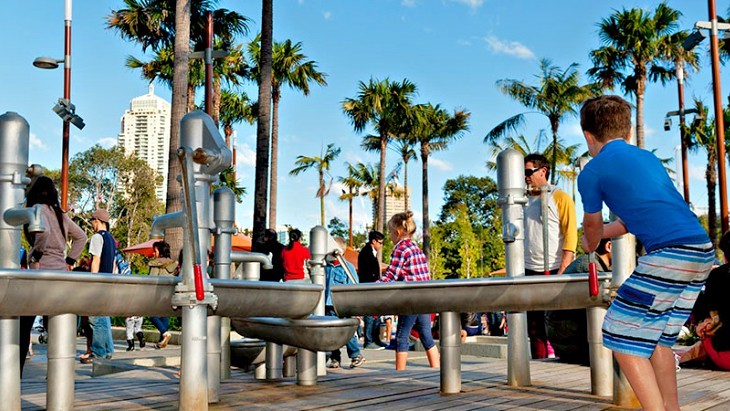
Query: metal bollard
<point x="306" y="367"/>
<point x="512" y="199"/>
<point x="450" y="341"/>
<point x="61" y="361"/>
<point x="290" y="366"/>
<point x="600" y="356"/>
<point x="318" y="237"/>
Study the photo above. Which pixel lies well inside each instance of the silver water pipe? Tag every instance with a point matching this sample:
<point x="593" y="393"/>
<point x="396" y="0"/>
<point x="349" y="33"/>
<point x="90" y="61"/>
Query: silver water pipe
<point x="224" y="214"/>
<point x="624" y="262"/>
<point x="512" y="199"/>
<point x="24" y="215"/>
<point x="14" y="141"/>
<point x="248" y="257"/>
<point x="450" y="341"/>
<point x="165" y="222"/>
<point x="545" y="212"/>
<point x="318" y="248"/>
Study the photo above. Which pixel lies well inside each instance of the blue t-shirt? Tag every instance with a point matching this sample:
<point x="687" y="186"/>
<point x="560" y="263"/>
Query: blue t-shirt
<point x="634" y="185"/>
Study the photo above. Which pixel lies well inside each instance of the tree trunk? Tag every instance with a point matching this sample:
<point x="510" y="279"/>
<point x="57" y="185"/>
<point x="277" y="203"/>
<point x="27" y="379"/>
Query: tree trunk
<point x="711" y="177"/>
<point x="350" y="230"/>
<point x="264" y="124"/>
<point x="321" y="197"/>
<point x="641" y="87"/>
<point x="405" y="182"/>
<point x="554" y="160"/>
<point x="216" y="100"/>
<point x="190" y="104"/>
<point x="380" y="224"/>
<point x="178" y="110"/>
<point x="273" y="183"/>
<point x="424" y="198"/>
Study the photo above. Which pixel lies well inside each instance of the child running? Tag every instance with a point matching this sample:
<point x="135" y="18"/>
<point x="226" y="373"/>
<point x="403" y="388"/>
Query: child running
<point x="408" y="263"/>
<point x="651" y="306"/>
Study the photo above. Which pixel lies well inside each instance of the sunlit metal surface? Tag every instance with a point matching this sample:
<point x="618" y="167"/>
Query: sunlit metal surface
<point x="315" y="333"/>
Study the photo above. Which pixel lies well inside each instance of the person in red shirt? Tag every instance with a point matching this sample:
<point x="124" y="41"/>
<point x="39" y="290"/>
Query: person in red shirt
<point x="294" y="256"/>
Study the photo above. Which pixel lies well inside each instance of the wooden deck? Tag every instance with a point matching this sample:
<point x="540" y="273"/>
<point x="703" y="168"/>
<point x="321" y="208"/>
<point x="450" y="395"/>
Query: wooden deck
<point x="376" y="386"/>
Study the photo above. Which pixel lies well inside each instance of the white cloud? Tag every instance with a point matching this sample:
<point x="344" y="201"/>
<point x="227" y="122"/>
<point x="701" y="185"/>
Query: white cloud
<point x="510" y="48"/>
<point x="440" y="164"/>
<point x="327" y="15"/>
<point x="571" y="130"/>
<point x="107" y="142"/>
<point x="36" y="143"/>
<point x="408" y="3"/>
<point x="463" y="43"/>
<point x="245" y="156"/>
<point x="473" y="4"/>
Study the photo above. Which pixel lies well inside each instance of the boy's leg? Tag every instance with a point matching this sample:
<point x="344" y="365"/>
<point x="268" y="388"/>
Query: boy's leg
<point x="641" y="377"/>
<point x="665" y="370"/>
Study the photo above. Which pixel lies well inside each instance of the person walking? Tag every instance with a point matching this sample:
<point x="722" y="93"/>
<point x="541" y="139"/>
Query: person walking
<point x="48" y="249"/>
<point x="562" y="239"/>
<point x="103" y="249"/>
<point x="408" y="263"/>
<point x="162" y="265"/>
<point x="368" y="271"/>
<point x="271" y="246"/>
<point x="652" y="305"/>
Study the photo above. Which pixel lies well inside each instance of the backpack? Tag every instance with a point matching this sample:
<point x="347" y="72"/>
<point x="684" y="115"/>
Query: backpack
<point x="121" y="264"/>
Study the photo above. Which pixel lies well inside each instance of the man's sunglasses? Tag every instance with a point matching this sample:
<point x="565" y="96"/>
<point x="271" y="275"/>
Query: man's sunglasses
<point x="530" y="171"/>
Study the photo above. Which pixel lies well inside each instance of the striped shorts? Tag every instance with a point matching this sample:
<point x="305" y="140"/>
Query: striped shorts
<point x="653" y="304"/>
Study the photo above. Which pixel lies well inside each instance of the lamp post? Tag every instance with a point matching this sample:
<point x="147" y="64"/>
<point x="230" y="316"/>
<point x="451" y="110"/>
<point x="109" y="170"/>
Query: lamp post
<point x="68" y="115"/>
<point x="679" y="71"/>
<point x="714" y="26"/>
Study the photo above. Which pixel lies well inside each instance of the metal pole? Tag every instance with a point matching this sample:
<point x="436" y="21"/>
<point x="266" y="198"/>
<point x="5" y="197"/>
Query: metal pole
<point x="306" y="367"/>
<point x="67" y="97"/>
<point x="318" y="249"/>
<point x="600" y="356"/>
<point x="274" y="361"/>
<point x="61" y="361"/>
<point x="719" y="115"/>
<point x="14" y="140"/>
<point x="194" y="370"/>
<point x="544" y="212"/>
<point x="209" y="64"/>
<point x="511" y="183"/>
<point x="450" y="341"/>
<point x="624" y="262"/>
<point x="680" y="92"/>
<point x="223" y="217"/>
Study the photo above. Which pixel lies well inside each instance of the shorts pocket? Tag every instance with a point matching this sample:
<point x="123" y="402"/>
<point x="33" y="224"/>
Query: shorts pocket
<point x="635" y="296"/>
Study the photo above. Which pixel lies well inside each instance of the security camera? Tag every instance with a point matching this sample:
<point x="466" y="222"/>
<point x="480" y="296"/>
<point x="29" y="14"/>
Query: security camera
<point x="67" y="112"/>
<point x="667" y="124"/>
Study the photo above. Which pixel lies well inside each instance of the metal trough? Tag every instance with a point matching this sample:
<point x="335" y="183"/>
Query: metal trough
<point x="315" y="333"/>
<point x="554" y="292"/>
<point x="25" y="292"/>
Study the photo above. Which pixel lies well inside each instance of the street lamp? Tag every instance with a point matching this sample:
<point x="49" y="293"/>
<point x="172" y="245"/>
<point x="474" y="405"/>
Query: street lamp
<point x="64" y="108"/>
<point x="714" y="26"/>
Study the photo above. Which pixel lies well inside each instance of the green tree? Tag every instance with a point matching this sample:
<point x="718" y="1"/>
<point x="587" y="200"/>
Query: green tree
<point x="337" y="228"/>
<point x="436" y="260"/>
<point x="353" y="185"/>
<point x="636" y="46"/>
<point x="434" y="130"/>
<point x="322" y="164"/>
<point x="290" y="68"/>
<point x="368" y="177"/>
<point x="479" y="196"/>
<point x="386" y="106"/>
<point x="557" y="94"/>
<point x="468" y="244"/>
<point x="404" y="146"/>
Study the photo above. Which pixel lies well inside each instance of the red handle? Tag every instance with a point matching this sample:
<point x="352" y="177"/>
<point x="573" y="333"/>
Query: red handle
<point x="592" y="279"/>
<point x="547" y="272"/>
<point x="198" y="276"/>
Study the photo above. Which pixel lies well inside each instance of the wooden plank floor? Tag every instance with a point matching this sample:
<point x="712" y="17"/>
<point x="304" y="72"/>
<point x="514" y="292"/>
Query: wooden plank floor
<point x="375" y="386"/>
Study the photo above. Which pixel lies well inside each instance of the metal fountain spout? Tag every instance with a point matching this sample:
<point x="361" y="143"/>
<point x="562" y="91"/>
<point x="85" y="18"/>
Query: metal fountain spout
<point x="25" y="215"/>
<point x="163" y="222"/>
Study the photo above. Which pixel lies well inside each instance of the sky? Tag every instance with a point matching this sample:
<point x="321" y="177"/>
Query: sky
<point x="453" y="50"/>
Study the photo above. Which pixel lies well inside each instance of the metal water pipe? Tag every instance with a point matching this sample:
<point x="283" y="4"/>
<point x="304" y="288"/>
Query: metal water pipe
<point x="512" y="199"/>
<point x="14" y="140"/>
<point x="219" y="328"/>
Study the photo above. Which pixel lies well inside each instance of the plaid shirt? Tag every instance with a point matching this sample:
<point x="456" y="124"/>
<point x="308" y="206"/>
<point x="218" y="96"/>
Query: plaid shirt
<point x="407" y="263"/>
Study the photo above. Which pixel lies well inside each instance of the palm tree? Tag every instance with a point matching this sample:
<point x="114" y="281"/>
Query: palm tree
<point x="636" y="43"/>
<point x="435" y="129"/>
<point x="557" y="94"/>
<point x="235" y="107"/>
<point x="386" y="105"/>
<point x="369" y="178"/>
<point x="263" y="128"/>
<point x="353" y="186"/>
<point x="701" y="135"/>
<point x="403" y="146"/>
<point x="322" y="163"/>
<point x="291" y="68"/>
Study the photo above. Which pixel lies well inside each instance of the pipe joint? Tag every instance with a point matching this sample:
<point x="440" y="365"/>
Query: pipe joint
<point x="23" y="215"/>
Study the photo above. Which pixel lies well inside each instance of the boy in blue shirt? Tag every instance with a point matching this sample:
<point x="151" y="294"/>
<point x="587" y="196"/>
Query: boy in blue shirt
<point x="651" y="306"/>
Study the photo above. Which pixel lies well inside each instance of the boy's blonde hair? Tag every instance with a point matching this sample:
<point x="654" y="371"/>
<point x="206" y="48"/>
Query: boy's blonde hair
<point x="404" y="221"/>
<point x="606" y="118"/>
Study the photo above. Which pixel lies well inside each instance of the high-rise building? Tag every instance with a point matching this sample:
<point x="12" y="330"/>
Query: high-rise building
<point x="396" y="198"/>
<point x="146" y="134"/>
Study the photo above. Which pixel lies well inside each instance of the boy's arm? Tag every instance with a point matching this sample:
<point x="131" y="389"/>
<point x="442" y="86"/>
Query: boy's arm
<point x="592" y="231"/>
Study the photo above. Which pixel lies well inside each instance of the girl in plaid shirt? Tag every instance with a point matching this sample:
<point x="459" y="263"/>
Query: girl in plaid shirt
<point x="408" y="263"/>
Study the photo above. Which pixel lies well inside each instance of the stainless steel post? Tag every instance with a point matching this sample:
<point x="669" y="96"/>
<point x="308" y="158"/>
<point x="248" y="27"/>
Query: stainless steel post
<point x="600" y="356"/>
<point x="224" y="214"/>
<point x="624" y="262"/>
<point x="450" y="341"/>
<point x="274" y="361"/>
<point x="290" y="366"/>
<point x="306" y="367"/>
<point x="14" y="138"/>
<point x="511" y="183"/>
<point x="251" y="271"/>
<point x="318" y="249"/>
<point x="61" y="361"/>
<point x="213" y="350"/>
